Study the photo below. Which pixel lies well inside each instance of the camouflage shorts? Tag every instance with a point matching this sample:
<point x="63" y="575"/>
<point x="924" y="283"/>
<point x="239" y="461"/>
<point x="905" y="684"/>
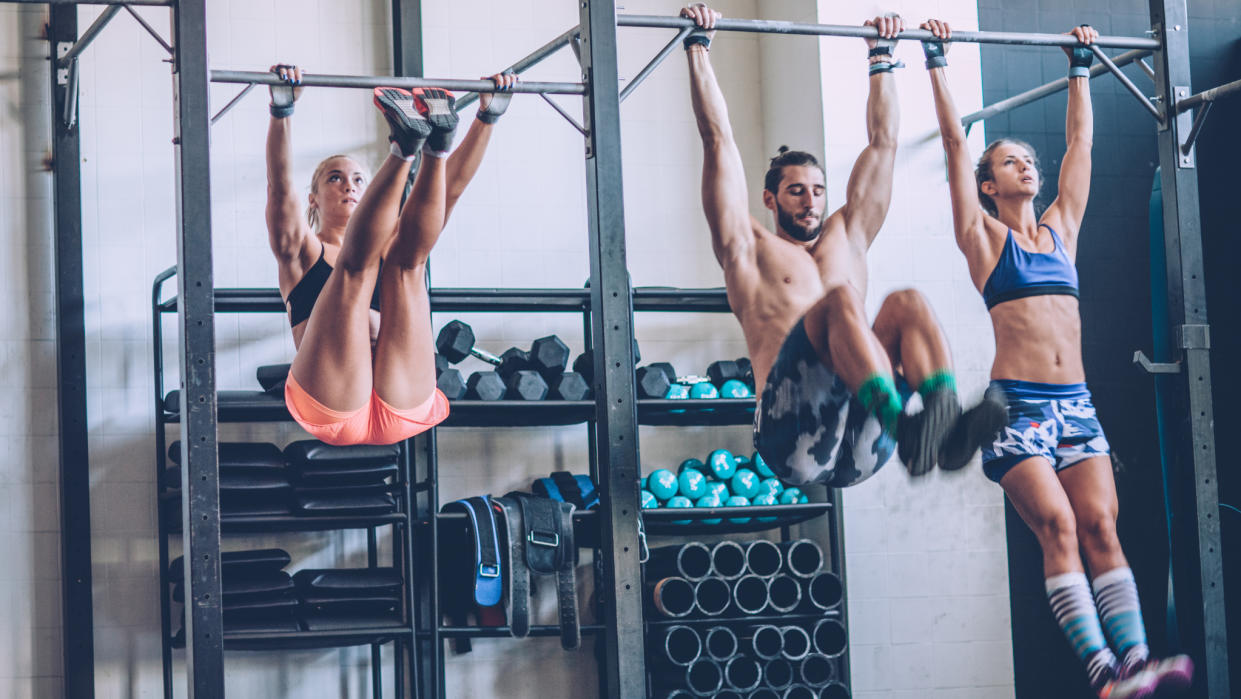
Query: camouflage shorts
<point x="1054" y="421"/>
<point x="810" y="428"/>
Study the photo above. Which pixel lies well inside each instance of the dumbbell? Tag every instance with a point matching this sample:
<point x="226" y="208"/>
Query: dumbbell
<point x="549" y="356"/>
<point x="484" y="385"/>
<point x="585" y="362"/>
<point x="488" y="385"/>
<point x="450" y="383"/>
<point x="729" y="376"/>
<point x="448" y="380"/>
<point x="569" y="385"/>
<point x="652" y="382"/>
<point x="455" y="342"/>
<point x="519" y="378"/>
<point x="747" y="371"/>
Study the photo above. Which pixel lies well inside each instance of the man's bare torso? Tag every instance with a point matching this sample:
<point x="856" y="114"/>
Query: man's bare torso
<point x="771" y="289"/>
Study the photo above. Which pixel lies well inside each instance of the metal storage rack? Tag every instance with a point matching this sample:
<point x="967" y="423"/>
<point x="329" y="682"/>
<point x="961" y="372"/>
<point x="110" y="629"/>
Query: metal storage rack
<point x="1196" y="555"/>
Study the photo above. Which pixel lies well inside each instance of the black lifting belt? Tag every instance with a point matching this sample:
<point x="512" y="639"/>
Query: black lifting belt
<point x="540" y="542"/>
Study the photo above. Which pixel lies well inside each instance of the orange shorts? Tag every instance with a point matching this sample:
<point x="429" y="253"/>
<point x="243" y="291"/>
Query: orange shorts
<point x="374" y="423"/>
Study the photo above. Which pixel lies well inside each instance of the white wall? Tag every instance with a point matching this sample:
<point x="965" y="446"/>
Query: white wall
<point x="30" y="663"/>
<point x="927" y="565"/>
<point x="927" y="571"/>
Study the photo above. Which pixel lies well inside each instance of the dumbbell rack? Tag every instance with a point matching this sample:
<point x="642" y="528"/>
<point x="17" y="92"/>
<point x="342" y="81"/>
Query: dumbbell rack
<point x="420" y="639"/>
<point x="431" y="638"/>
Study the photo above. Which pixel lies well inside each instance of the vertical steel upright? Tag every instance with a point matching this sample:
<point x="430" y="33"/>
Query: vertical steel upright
<point x="616" y="416"/>
<point x="200" y="493"/>
<point x="423" y="666"/>
<point x="1196" y="555"/>
<point x="77" y="618"/>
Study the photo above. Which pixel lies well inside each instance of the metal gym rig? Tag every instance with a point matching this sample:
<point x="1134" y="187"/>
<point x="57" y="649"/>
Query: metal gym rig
<point x="1197" y="560"/>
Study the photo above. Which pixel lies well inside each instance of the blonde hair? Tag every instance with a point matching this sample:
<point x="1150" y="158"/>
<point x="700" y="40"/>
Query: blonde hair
<point x="312" y="212"/>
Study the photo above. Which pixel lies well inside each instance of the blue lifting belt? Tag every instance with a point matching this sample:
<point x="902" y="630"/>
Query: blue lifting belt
<point x="567" y="487"/>
<point x="488" y="584"/>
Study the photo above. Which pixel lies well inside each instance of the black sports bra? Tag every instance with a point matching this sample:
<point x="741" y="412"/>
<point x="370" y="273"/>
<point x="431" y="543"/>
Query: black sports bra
<point x="302" y="298"/>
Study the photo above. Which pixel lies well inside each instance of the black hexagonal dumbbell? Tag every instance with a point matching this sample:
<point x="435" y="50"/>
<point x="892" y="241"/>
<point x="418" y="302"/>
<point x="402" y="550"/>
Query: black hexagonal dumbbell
<point x="747" y="371"/>
<point x="652" y="382"/>
<point x="484" y="385"/>
<point x="455" y="342"/>
<point x="568" y="386"/>
<point x="441" y="364"/>
<point x="723" y="370"/>
<point x="450" y="383"/>
<point x="512" y="361"/>
<point x="525" y="385"/>
<point x="585" y="362"/>
<point x="549" y="356"/>
<point x="667" y="369"/>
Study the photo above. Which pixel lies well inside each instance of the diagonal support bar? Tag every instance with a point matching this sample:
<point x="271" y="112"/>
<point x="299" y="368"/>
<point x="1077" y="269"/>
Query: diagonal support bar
<point x="150" y="30"/>
<point x="1045" y="90"/>
<point x="564" y="114"/>
<point x="528" y="62"/>
<point x="88" y="36"/>
<point x="1146" y="68"/>
<point x="1199" y="119"/>
<point x="232" y="103"/>
<point x="1124" y="80"/>
<point x="659" y="58"/>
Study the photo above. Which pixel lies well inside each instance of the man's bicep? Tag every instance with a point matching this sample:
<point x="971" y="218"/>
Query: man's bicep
<point x="724" y="197"/>
<point x="869" y="191"/>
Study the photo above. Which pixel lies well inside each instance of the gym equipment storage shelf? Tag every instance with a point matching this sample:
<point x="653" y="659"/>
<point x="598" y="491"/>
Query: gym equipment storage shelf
<point x="419" y="508"/>
<point x="258" y="406"/>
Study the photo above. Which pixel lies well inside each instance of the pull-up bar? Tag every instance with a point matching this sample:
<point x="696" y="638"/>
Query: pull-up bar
<point x="1208" y="96"/>
<point x="766" y="26"/>
<point x="372" y="81"/>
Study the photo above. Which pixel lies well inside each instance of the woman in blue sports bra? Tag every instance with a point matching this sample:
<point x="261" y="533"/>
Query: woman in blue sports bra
<point x="1052" y="459"/>
<point x="354" y="380"/>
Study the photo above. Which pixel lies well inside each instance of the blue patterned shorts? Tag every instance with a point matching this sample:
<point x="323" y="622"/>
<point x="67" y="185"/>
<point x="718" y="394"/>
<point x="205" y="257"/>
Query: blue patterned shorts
<point x="810" y="428"/>
<point x="1054" y="421"/>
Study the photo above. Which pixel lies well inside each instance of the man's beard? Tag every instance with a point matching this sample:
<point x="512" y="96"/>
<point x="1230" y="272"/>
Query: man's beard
<point x="789" y="225"/>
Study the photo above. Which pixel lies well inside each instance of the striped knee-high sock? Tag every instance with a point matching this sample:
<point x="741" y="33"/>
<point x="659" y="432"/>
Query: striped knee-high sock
<point x="1117" y="596"/>
<point x="1074" y="609"/>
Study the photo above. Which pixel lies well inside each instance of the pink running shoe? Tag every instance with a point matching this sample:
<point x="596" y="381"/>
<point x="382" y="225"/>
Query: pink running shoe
<point x="1175" y="673"/>
<point x="1139" y="685"/>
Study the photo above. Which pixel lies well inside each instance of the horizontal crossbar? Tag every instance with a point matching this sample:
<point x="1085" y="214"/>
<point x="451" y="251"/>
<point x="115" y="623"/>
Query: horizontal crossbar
<point x="781" y="27"/>
<point x="372" y="81"/>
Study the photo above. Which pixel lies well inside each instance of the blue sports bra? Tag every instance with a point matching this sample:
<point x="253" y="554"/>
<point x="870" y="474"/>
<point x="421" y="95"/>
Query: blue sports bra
<point x="302" y="298"/>
<point x="1019" y="273"/>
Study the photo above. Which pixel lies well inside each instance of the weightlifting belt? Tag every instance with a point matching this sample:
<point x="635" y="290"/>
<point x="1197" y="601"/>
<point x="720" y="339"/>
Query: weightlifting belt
<point x="540" y="542"/>
<point x="488" y="587"/>
<point x="562" y="485"/>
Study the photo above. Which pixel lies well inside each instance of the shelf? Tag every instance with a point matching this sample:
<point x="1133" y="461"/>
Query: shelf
<point x="585" y="525"/>
<point x="504" y="632"/>
<point x="284" y="640"/>
<point x="444" y="300"/>
<point x="518" y="413"/>
<point x="258" y="406"/>
<point x="763" y="619"/>
<point x="715" y="411"/>
<point x="667" y="520"/>
<point x="260" y="524"/>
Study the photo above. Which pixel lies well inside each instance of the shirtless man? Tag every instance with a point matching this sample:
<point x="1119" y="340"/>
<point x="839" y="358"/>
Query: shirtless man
<point x="829" y="409"/>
